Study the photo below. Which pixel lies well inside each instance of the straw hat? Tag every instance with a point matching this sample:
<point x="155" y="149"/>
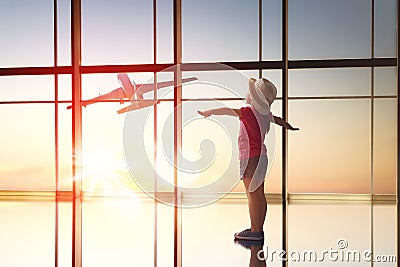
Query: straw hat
<point x="262" y="94"/>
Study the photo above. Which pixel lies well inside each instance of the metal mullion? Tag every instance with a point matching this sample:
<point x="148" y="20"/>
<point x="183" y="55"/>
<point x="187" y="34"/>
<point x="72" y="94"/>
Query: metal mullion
<point x="55" y="47"/>
<point x="76" y="134"/>
<point x="35" y="70"/>
<point x="398" y="137"/>
<point x="32" y="102"/>
<point x="285" y="70"/>
<point x="372" y="127"/>
<point x="204" y="66"/>
<point x="177" y="127"/>
<point x="155" y="131"/>
<point x="342" y="63"/>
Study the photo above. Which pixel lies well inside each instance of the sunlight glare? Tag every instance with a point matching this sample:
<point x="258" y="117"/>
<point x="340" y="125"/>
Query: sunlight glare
<point x="101" y="171"/>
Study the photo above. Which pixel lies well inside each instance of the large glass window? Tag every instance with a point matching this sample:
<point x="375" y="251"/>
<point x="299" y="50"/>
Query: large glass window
<point x="114" y="240"/>
<point x="64" y="32"/>
<point x="385" y="81"/>
<point x="323" y="235"/>
<point x="217" y="255"/>
<point x="103" y="163"/>
<point x="384" y="146"/>
<point x="272" y="30"/>
<point x="117" y="32"/>
<point x="219" y="30"/>
<point x="27" y="147"/>
<point x="385" y="28"/>
<point x="330" y="82"/>
<point x="27" y="88"/>
<point x="331" y="146"/>
<point x="165" y="29"/>
<point x="35" y="242"/>
<point x="340" y="89"/>
<point x="27" y="33"/>
<point x="324" y="29"/>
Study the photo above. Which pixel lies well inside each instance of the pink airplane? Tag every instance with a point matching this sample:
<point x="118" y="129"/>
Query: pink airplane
<point x="129" y="91"/>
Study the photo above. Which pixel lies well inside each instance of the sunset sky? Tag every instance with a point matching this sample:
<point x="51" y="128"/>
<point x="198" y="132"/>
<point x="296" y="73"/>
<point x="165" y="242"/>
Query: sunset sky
<point x="330" y="154"/>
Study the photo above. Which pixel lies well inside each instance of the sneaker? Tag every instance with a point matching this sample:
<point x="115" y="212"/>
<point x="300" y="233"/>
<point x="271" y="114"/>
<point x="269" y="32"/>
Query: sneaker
<point x="249" y="235"/>
<point x="249" y="243"/>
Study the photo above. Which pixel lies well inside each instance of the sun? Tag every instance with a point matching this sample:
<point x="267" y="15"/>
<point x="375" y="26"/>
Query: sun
<point x="102" y="171"/>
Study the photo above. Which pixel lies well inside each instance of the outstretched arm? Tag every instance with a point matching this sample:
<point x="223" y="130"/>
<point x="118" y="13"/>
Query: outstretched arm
<point x="283" y="123"/>
<point x="221" y="111"/>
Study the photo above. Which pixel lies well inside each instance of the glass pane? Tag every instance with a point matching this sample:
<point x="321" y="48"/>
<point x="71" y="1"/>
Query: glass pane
<point x="28" y="230"/>
<point x="64" y="234"/>
<point x="273" y="181"/>
<point x="94" y="85"/>
<point x="221" y="221"/>
<point x="272" y="29"/>
<point x="65" y="87"/>
<point x="274" y="76"/>
<point x="102" y="142"/>
<point x="27" y="88"/>
<point x="64" y="147"/>
<point x="107" y="135"/>
<point x="331" y="152"/>
<point x="165" y="143"/>
<point x="64" y="32"/>
<point x="103" y="163"/>
<point x="139" y="149"/>
<point x="384" y="235"/>
<point x="385" y="144"/>
<point x="218" y="31"/>
<point x="165" y="235"/>
<point x="165" y="43"/>
<point x="28" y="27"/>
<point x="325" y="29"/>
<point x="217" y="84"/>
<point x="222" y="136"/>
<point x="330" y="82"/>
<point x="315" y="228"/>
<point x="27" y="145"/>
<point x="115" y="241"/>
<point x="209" y="158"/>
<point x="117" y="32"/>
<point x="385" y="28"/>
<point x="385" y="82"/>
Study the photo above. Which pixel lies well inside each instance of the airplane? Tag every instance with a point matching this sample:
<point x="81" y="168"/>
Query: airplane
<point x="129" y="91"/>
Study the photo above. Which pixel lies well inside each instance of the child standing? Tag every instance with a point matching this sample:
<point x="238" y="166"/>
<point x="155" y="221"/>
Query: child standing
<point x="255" y="119"/>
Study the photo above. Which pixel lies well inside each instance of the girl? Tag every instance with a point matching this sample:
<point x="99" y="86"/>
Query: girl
<point x="255" y="119"/>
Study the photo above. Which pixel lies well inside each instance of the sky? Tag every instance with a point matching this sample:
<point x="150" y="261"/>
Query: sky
<point x="331" y="153"/>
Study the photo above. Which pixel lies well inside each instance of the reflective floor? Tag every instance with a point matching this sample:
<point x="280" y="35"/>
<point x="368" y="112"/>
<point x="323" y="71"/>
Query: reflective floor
<point x="122" y="232"/>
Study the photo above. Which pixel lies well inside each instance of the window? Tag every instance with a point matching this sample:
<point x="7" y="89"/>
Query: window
<point x="329" y="29"/>
<point x="28" y="32"/>
<point x="219" y="31"/>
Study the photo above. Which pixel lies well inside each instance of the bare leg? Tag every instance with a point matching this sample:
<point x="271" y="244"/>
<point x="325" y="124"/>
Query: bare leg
<point x="257" y="206"/>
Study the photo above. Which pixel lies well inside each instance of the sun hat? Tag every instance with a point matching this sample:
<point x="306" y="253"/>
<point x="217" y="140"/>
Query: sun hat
<point x="262" y="94"/>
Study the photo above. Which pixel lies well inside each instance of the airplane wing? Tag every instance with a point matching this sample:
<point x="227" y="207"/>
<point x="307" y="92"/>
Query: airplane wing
<point x="137" y="104"/>
<point x="117" y="94"/>
<point x="145" y="88"/>
<point x="127" y="91"/>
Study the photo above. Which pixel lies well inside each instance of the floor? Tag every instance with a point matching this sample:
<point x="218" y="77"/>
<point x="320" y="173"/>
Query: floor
<point x="121" y="231"/>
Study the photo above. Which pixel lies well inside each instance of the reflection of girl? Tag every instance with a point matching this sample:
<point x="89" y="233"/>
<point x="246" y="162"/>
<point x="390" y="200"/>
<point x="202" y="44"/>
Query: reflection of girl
<point x="255" y="122"/>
